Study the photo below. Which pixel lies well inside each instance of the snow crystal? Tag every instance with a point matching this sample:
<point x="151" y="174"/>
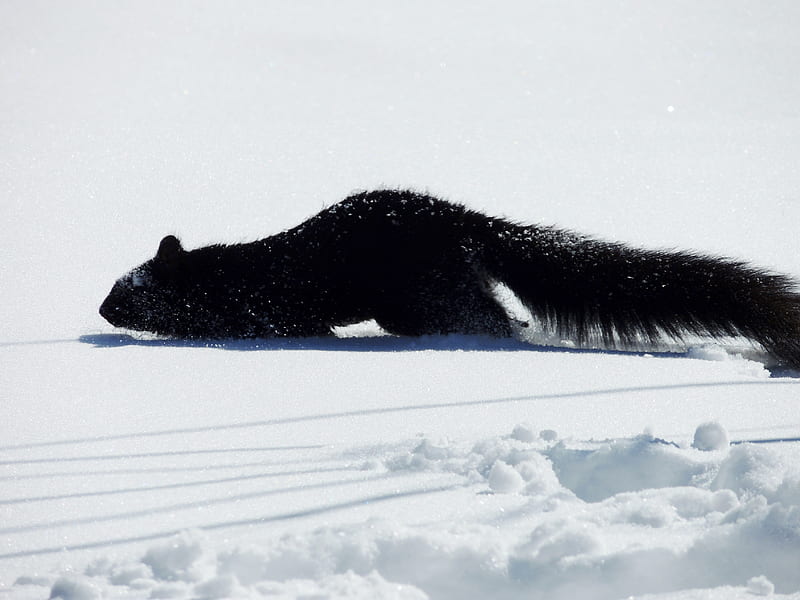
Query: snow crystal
<point x="710" y="436"/>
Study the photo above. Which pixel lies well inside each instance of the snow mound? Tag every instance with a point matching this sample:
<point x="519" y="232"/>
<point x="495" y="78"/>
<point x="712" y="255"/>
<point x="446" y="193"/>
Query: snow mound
<point x="534" y="516"/>
<point x="189" y="566"/>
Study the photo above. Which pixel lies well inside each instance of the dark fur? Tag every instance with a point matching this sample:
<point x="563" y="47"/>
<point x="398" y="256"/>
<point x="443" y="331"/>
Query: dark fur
<point x="419" y="265"/>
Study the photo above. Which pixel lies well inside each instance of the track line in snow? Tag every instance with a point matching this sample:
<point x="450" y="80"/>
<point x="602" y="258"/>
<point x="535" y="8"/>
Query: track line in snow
<point x="133" y="514"/>
<point x="163" y="470"/>
<point x="387" y="410"/>
<point x="232" y="524"/>
<point x="30" y="461"/>
<point x="152" y="488"/>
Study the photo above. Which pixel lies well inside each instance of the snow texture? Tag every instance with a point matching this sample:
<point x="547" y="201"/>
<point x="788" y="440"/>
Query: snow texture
<point x="554" y="519"/>
<point x="364" y="465"/>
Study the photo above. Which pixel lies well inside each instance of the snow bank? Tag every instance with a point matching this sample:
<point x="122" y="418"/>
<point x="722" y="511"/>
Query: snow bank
<point x="547" y="518"/>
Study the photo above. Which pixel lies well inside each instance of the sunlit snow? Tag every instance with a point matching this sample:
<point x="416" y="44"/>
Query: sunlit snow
<point x="369" y="466"/>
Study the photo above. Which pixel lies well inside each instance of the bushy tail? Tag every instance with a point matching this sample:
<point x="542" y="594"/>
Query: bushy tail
<point x="584" y="288"/>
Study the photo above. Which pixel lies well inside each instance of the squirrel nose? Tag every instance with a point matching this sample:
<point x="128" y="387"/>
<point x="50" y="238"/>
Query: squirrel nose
<point x="107" y="311"/>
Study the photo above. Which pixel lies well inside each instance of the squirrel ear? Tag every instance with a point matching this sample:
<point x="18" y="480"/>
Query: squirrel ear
<point x="169" y="249"/>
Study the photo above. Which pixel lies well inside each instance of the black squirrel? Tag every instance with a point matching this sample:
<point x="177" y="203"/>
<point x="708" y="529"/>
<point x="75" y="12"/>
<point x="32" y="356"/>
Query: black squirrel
<point x="420" y="265"/>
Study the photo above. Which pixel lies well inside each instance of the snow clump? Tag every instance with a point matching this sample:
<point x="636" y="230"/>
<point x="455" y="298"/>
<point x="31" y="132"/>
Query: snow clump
<point x="760" y="586"/>
<point x="74" y="588"/>
<point x="504" y="478"/>
<point x="717" y="353"/>
<point x="710" y="436"/>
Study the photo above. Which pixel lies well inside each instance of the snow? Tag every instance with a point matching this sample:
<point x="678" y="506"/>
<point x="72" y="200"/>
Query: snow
<point x="370" y="466"/>
<point x="760" y="586"/>
<point x="710" y="436"/>
<point x="502" y="517"/>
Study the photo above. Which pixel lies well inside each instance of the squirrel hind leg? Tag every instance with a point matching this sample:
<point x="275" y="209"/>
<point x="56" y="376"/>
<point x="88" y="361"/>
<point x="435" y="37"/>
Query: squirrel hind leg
<point x="471" y="311"/>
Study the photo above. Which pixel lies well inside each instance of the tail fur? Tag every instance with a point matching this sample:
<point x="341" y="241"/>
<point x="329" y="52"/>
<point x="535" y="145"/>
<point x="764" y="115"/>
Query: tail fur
<point x="584" y="288"/>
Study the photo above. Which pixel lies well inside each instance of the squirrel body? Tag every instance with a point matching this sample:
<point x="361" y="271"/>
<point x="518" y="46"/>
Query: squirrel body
<point x="420" y="265"/>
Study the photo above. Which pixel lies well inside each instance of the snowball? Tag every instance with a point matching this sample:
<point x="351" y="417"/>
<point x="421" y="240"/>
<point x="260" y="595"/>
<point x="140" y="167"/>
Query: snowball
<point x="523" y="433"/>
<point x="73" y="588"/>
<point x="504" y="478"/>
<point x="710" y="436"/>
<point x="760" y="586"/>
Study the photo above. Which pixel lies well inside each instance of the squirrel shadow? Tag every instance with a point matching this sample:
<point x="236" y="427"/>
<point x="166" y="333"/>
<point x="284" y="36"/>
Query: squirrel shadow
<point x="386" y="343"/>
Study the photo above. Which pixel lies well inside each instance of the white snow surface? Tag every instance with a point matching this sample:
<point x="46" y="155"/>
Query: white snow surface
<point x="369" y="466"/>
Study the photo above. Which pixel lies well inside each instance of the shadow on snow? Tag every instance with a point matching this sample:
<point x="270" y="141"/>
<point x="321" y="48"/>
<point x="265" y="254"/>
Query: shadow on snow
<point x="385" y="343"/>
<point x="372" y="343"/>
<point x="248" y="522"/>
<point x="377" y="411"/>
